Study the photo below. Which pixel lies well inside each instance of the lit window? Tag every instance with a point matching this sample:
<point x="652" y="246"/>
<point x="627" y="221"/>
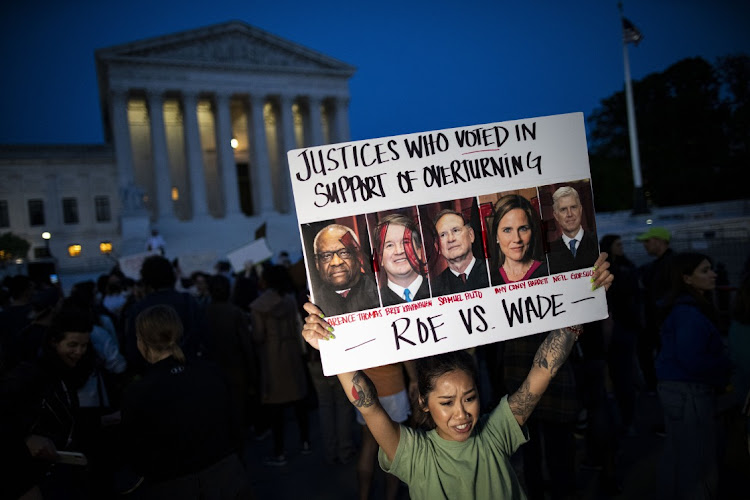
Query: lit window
<point x="105" y="247"/>
<point x="74" y="250"/>
<point x="175" y="194"/>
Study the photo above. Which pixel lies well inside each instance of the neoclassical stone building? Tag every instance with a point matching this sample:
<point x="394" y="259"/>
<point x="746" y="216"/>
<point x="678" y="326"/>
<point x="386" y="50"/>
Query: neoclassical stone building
<point x="196" y="125"/>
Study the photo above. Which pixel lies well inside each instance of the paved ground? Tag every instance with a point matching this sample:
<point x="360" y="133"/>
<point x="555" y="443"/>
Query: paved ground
<point x="307" y="476"/>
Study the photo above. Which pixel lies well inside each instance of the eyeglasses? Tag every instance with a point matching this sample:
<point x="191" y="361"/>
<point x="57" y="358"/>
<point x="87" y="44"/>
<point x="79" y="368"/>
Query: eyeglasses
<point x="325" y="257"/>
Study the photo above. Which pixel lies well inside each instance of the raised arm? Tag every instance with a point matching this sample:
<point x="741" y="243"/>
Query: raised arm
<point x="552" y="354"/>
<point x="357" y="386"/>
<point x="547" y="361"/>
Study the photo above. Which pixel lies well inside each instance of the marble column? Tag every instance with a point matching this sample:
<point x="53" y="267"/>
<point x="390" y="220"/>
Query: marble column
<point x="316" y="125"/>
<point x="341" y="133"/>
<point x="260" y="165"/>
<point x="194" y="154"/>
<point x="227" y="165"/>
<point x="159" y="155"/>
<point x="287" y="142"/>
<point x="121" y="136"/>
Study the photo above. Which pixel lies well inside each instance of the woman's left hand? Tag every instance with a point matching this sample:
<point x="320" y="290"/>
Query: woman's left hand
<point x="602" y="276"/>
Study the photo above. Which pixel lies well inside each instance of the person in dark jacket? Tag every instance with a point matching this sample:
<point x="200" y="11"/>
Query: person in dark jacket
<point x="159" y="279"/>
<point x="692" y="368"/>
<point x="39" y="412"/>
<point x="276" y="332"/>
<point x="180" y="433"/>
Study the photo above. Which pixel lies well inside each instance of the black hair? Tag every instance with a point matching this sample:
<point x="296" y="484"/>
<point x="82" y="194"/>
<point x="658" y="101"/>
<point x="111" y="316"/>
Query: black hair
<point x="219" y="287"/>
<point x="684" y="264"/>
<point x="276" y="277"/>
<point x="431" y="368"/>
<point x="157" y="273"/>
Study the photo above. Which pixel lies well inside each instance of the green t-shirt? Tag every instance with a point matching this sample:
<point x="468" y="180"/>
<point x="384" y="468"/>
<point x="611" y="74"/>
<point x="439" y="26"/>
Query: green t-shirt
<point x="477" y="468"/>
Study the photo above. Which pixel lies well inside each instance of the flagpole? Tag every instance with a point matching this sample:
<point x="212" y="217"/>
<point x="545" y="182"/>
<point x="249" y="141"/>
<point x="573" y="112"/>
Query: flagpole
<point x="639" y="198"/>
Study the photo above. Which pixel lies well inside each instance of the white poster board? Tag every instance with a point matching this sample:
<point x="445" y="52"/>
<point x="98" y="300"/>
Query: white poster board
<point x="255" y="252"/>
<point x="197" y="261"/>
<point x="359" y="183"/>
<point x="130" y="265"/>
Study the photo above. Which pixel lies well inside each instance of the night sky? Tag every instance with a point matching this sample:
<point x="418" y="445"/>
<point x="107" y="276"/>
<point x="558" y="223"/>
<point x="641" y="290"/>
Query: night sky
<point x="420" y="65"/>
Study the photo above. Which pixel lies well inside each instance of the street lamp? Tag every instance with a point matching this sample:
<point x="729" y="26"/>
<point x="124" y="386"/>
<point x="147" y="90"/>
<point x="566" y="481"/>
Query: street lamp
<point x="46" y="237"/>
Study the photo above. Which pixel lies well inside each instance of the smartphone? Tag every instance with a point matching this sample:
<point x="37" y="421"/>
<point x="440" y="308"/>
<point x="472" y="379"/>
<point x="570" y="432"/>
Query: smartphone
<point x="53" y="279"/>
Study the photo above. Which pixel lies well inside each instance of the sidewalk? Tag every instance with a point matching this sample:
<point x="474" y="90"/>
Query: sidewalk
<point x="309" y="477"/>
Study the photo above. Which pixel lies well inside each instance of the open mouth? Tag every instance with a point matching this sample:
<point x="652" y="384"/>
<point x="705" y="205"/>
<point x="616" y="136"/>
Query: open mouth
<point x="463" y="428"/>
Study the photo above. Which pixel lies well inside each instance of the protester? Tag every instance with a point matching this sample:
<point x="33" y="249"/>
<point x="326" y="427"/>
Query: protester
<point x="159" y="279"/>
<point x="692" y="367"/>
<point x="179" y="428"/>
<point x="276" y="325"/>
<point x="199" y="287"/>
<point x="39" y="410"/>
<point x="624" y="311"/>
<point x="155" y="243"/>
<point x="463" y="456"/>
<point x="655" y="283"/>
<point x="391" y="386"/>
<point x="232" y="345"/>
<point x="334" y="415"/>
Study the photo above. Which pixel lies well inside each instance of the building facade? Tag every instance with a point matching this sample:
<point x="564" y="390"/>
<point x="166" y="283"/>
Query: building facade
<point x="196" y="126"/>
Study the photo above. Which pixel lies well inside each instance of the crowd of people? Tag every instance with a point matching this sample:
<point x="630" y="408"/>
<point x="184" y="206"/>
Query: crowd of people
<point x="152" y="388"/>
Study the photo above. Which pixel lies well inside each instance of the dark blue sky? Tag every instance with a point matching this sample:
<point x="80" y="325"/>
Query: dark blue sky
<point x="421" y="65"/>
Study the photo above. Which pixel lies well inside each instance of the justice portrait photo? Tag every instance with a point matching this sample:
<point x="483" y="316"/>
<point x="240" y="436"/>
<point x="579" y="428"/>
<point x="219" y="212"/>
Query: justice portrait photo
<point x="570" y="225"/>
<point x="339" y="260"/>
<point x="454" y="246"/>
<point x="513" y="235"/>
<point x="399" y="256"/>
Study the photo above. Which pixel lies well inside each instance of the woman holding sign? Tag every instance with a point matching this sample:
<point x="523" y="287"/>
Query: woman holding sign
<point x="515" y="238"/>
<point x="456" y="454"/>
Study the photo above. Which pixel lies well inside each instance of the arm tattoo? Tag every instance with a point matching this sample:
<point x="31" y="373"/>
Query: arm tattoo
<point x="363" y="390"/>
<point x="554" y="350"/>
<point x="522" y="402"/>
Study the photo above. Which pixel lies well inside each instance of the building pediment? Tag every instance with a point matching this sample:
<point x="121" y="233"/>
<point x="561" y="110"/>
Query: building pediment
<point x="233" y="45"/>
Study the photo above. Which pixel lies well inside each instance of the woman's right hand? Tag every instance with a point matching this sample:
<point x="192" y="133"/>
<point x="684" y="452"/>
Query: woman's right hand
<point x="316" y="328"/>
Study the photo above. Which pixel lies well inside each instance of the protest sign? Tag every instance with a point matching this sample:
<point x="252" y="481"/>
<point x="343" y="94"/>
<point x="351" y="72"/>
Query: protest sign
<point x="130" y="265"/>
<point x="256" y="252"/>
<point x="197" y="262"/>
<point x="407" y="239"/>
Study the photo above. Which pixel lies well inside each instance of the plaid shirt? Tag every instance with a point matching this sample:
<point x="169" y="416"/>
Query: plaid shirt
<point x="560" y="402"/>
